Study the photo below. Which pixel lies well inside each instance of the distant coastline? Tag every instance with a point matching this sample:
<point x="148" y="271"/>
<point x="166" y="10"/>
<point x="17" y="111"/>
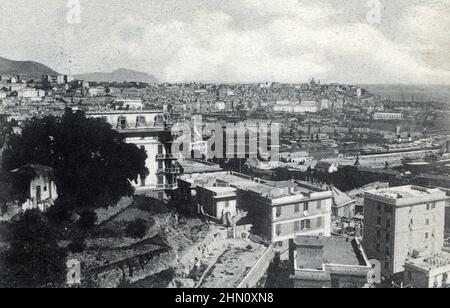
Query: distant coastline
<point x="421" y="93"/>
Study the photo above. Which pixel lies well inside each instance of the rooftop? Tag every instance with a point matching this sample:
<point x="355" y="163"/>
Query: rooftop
<point x="328" y="250"/>
<point x="106" y="112"/>
<point x="431" y="263"/>
<point x="267" y="189"/>
<point x="405" y="192"/>
<point x="194" y="166"/>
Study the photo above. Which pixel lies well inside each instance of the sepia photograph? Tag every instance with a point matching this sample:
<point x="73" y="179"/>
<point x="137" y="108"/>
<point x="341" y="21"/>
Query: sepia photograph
<point x="224" y="150"/>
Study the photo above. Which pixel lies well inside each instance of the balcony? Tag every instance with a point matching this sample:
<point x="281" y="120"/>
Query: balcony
<point x="166" y="157"/>
<point x="161" y="187"/>
<point x="174" y="171"/>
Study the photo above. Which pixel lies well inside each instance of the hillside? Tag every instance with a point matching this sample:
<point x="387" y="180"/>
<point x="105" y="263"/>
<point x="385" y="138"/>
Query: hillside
<point x="30" y="68"/>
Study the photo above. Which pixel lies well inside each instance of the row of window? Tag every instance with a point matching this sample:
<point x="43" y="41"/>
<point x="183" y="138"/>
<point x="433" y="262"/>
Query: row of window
<point x="303" y="225"/>
<point x="301" y="207"/>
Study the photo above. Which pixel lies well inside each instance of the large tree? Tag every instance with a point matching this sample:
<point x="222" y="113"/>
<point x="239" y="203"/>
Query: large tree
<point x="92" y="162"/>
<point x="5" y="131"/>
<point x="34" y="258"/>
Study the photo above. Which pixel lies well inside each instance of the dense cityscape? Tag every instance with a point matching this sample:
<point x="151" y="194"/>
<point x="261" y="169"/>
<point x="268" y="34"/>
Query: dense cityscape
<point x="358" y="178"/>
<point x="224" y="151"/>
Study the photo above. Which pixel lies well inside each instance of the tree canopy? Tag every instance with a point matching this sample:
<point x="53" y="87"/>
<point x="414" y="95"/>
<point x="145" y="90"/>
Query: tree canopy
<point x="34" y="258"/>
<point x="92" y="162"/>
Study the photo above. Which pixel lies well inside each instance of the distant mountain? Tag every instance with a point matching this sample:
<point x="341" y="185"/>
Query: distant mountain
<point x="32" y="69"/>
<point x="119" y="75"/>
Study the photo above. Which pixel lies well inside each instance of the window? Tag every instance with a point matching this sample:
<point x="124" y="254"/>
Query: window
<point x="306" y="224"/>
<point x="45" y="188"/>
<point x="433" y="205"/>
<point x="388" y="252"/>
<point x="428" y="206"/>
<point x="379" y="207"/>
<point x="378" y="234"/>
<point x="297" y="226"/>
<point x="319" y="222"/>
<point x="409" y="275"/>
<point x="38" y="194"/>
<point x="278" y="227"/>
<point x="379" y="220"/>
<point x="378" y="247"/>
<point x="297" y="208"/>
<point x="306" y="207"/>
<point x="388" y="237"/>
<point x="140" y="121"/>
<point x="388" y="223"/>
<point x="427" y="235"/>
<point x="279" y="211"/>
<point x="427" y="222"/>
<point x="280" y="244"/>
<point x="122" y="122"/>
<point x="319" y="204"/>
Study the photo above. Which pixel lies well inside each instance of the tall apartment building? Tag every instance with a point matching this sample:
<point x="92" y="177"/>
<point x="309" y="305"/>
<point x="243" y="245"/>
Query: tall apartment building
<point x="402" y="221"/>
<point x="146" y="129"/>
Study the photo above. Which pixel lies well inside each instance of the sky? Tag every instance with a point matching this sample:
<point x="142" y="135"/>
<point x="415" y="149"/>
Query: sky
<point x="351" y="41"/>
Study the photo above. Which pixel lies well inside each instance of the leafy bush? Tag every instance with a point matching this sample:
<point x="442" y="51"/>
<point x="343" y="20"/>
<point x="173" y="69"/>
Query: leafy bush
<point x="87" y="220"/>
<point x="137" y="229"/>
<point x="77" y="246"/>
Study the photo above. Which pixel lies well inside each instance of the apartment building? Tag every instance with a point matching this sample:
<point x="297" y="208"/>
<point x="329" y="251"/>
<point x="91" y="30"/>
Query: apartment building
<point x="428" y="272"/>
<point x="279" y="211"/>
<point x="402" y="221"/>
<point x="287" y="209"/>
<point x="327" y="262"/>
<point x="146" y="129"/>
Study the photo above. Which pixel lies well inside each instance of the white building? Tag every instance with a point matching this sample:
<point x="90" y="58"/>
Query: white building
<point x="388" y="116"/>
<point x="401" y="221"/>
<point x="134" y="104"/>
<point x="144" y="129"/>
<point x="30" y="93"/>
<point x="42" y="190"/>
<point x="428" y="272"/>
<point x="306" y="106"/>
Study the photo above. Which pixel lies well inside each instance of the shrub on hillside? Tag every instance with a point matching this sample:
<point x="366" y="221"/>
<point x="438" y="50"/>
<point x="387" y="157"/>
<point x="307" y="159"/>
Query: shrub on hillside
<point x="77" y="246"/>
<point x="137" y="229"/>
<point x="87" y="220"/>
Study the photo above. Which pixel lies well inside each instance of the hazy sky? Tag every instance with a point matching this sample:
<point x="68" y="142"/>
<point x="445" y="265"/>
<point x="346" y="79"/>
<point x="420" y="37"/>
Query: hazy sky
<point x="236" y="40"/>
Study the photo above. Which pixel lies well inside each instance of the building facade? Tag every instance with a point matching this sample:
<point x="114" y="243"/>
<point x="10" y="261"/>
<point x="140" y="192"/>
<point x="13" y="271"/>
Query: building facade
<point x="388" y="116"/>
<point x="401" y="221"/>
<point x="427" y="273"/>
<point x="146" y="129"/>
<point x="282" y="213"/>
<point x="278" y="211"/>
<point x="42" y="191"/>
